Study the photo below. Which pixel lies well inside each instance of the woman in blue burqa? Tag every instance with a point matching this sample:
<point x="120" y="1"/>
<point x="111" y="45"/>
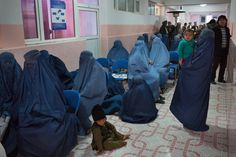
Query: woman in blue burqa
<point x="10" y="73"/>
<point x="191" y="97"/>
<point x="118" y="52"/>
<point x="159" y="58"/>
<point x="92" y="85"/>
<point x="60" y="68"/>
<point x="138" y="65"/>
<point x="44" y="127"/>
<point x="138" y="103"/>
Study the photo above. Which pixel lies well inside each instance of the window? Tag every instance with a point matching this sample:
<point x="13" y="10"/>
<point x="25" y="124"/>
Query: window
<point x="29" y="19"/>
<point x="88" y="23"/>
<point x="92" y="2"/>
<point x="131" y="5"/>
<point x="154" y="8"/>
<point x="122" y="5"/>
<point x="137" y="6"/>
<point x="47" y="20"/>
<point x="203" y="19"/>
<point x="127" y="5"/>
<point x="88" y="18"/>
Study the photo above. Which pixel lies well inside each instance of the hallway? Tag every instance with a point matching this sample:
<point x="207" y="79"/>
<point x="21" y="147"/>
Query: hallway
<point x="165" y="137"/>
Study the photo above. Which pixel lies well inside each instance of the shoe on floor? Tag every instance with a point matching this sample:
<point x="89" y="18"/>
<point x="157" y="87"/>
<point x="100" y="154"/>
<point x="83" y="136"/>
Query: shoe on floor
<point x="162" y="98"/>
<point x="222" y="81"/>
<point x="160" y="101"/>
<point x="213" y="82"/>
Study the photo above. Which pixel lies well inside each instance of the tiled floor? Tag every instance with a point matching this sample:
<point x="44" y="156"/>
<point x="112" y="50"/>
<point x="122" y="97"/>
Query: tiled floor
<point x="165" y="137"/>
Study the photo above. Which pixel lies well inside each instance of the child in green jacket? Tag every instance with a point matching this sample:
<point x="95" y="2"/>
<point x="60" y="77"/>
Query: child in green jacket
<point x="105" y="136"/>
<point x="186" y="45"/>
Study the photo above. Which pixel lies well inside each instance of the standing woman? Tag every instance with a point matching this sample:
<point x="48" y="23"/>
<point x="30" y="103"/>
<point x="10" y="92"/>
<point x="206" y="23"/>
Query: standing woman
<point x="222" y="36"/>
<point x="191" y="97"/>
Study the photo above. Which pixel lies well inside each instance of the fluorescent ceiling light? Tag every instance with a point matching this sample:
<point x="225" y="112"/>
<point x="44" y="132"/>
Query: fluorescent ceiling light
<point x="203" y="5"/>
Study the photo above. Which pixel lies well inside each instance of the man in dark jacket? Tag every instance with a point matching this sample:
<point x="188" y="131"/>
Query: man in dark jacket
<point x="222" y="36"/>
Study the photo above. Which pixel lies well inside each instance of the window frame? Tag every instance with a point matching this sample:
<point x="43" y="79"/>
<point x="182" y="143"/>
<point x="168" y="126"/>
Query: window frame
<point x="116" y="6"/>
<point x="40" y="28"/>
<point x="156" y="5"/>
<point x="97" y="18"/>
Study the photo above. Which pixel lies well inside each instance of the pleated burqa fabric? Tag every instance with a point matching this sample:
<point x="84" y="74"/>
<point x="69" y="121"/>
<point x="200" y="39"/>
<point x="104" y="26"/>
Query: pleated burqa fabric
<point x="159" y="60"/>
<point x="44" y="127"/>
<point x="118" y="52"/>
<point x="191" y="97"/>
<point x="10" y="74"/>
<point x="138" y="103"/>
<point x="138" y="65"/>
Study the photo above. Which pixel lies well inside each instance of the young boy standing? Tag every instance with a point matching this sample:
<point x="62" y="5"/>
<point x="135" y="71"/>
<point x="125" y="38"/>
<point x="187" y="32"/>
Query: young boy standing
<point x="105" y="136"/>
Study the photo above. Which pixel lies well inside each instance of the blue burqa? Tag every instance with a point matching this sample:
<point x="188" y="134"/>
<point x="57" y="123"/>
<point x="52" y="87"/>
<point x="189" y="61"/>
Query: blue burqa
<point x="159" y="58"/>
<point x="60" y="68"/>
<point x="10" y="73"/>
<point x="138" y="103"/>
<point x="113" y="100"/>
<point x="91" y="83"/>
<point x="118" y="52"/>
<point x="191" y="97"/>
<point x="44" y="127"/>
<point x="138" y="65"/>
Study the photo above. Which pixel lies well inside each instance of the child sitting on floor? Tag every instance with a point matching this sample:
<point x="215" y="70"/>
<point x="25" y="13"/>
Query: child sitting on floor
<point x="105" y="136"/>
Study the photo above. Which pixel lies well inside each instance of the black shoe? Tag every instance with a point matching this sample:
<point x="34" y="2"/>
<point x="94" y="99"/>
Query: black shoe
<point x="162" y="98"/>
<point x="213" y="82"/>
<point x="160" y="101"/>
<point x="222" y="81"/>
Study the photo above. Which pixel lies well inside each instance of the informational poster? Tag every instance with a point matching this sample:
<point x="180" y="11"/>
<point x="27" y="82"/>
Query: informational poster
<point x="58" y="15"/>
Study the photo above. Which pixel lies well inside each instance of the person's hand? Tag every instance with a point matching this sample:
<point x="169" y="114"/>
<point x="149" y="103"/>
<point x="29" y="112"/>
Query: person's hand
<point x="181" y="61"/>
<point x="125" y="137"/>
<point x="99" y="152"/>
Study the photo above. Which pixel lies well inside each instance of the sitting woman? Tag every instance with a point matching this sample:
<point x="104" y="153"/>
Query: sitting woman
<point x="40" y="112"/>
<point x="118" y="52"/>
<point x="138" y="103"/>
<point x="138" y="65"/>
<point x="60" y="68"/>
<point x="91" y="83"/>
<point x="159" y="58"/>
<point x="10" y="73"/>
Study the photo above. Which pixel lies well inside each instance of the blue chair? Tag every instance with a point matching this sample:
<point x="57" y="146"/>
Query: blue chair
<point x="120" y="65"/>
<point x="174" y="57"/>
<point x="174" y="65"/>
<point x="74" y="73"/>
<point x="73" y="99"/>
<point x="120" y="69"/>
<point x="105" y="62"/>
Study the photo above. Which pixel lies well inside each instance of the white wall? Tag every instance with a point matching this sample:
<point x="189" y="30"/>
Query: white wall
<point x="232" y="16"/>
<point x="10" y="12"/>
<point x="192" y="2"/>
<point x="108" y="15"/>
<point x="194" y="12"/>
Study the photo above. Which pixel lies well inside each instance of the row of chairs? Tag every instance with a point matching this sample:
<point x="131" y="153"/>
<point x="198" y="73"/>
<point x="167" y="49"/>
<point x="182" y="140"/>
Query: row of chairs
<point x="174" y="65"/>
<point x="119" y="68"/>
